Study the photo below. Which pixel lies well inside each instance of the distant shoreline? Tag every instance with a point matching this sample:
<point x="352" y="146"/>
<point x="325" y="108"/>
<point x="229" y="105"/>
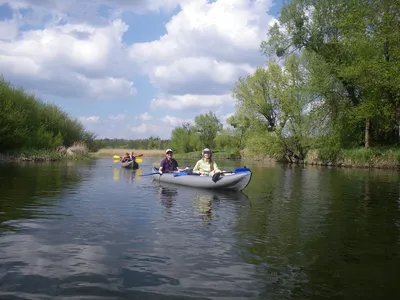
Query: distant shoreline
<point x="355" y="158"/>
<point x="105" y="152"/>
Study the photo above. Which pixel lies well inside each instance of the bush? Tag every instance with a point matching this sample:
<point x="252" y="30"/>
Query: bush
<point x="27" y="123"/>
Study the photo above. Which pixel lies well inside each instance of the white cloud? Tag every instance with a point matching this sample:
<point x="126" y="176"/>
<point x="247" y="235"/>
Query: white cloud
<point x="175" y="121"/>
<point x="88" y="120"/>
<point x="147" y="129"/>
<point x="71" y="60"/>
<point x="119" y="117"/>
<point x="75" y="52"/>
<point x="188" y="101"/>
<point x="206" y="42"/>
<point x="8" y="29"/>
<point x="144" y="117"/>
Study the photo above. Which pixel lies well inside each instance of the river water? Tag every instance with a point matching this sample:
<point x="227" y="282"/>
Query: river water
<point x="91" y="230"/>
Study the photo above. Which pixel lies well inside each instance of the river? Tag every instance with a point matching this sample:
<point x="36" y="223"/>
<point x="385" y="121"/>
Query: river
<point x="92" y="230"/>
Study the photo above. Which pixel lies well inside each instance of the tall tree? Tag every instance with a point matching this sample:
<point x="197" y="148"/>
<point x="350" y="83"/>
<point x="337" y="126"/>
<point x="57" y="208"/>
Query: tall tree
<point x="275" y="99"/>
<point x="208" y="125"/>
<point x="357" y="41"/>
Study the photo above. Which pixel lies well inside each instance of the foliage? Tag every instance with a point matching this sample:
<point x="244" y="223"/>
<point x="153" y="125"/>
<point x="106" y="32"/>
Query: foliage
<point x="207" y="126"/>
<point x="355" y="45"/>
<point x="274" y="101"/>
<point x="27" y="123"/>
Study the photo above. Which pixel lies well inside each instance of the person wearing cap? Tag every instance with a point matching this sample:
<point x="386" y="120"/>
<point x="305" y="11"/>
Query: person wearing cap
<point x="168" y="164"/>
<point x="206" y="165"/>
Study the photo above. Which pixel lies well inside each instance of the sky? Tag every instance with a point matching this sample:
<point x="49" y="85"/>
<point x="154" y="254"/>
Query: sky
<point x="134" y="68"/>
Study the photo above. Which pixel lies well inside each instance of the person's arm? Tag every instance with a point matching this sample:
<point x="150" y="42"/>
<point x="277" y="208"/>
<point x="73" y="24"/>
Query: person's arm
<point x="177" y="166"/>
<point x="196" y="168"/>
<point x="161" y="166"/>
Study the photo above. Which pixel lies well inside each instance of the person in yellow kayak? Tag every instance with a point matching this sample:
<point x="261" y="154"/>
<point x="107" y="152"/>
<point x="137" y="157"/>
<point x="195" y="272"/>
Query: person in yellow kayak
<point x="206" y="165"/>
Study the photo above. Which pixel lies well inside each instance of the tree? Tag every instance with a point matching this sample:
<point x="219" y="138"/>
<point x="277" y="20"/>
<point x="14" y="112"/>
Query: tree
<point x="358" y="44"/>
<point x="208" y="125"/>
<point x="274" y="101"/>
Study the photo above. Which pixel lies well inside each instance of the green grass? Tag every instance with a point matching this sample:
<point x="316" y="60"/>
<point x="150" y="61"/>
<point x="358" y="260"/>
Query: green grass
<point x="78" y="151"/>
<point x="376" y="157"/>
<point x="43" y="155"/>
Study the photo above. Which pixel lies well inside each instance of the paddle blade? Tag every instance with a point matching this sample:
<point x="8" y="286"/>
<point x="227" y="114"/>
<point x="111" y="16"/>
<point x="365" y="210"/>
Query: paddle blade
<point x="116" y="156"/>
<point x="149" y="174"/>
<point x="138" y="160"/>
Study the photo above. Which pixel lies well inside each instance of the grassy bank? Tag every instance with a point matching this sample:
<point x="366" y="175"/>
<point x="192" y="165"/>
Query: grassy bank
<point x="77" y="151"/>
<point x="379" y="157"/>
<point x="33" y="130"/>
<point x="384" y="158"/>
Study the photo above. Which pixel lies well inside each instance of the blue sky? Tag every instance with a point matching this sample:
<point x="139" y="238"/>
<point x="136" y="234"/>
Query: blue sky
<point x="133" y="69"/>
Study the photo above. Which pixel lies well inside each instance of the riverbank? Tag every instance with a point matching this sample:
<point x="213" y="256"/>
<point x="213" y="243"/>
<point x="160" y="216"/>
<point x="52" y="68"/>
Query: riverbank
<point x="383" y="158"/>
<point x="78" y="151"/>
<point x="380" y="158"/>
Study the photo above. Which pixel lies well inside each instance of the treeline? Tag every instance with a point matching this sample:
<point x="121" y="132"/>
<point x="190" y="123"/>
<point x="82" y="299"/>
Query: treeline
<point x="332" y="80"/>
<point x="150" y="143"/>
<point x="26" y="123"/>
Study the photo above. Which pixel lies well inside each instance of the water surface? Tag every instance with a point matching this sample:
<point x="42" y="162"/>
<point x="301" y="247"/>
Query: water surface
<point x="92" y="230"/>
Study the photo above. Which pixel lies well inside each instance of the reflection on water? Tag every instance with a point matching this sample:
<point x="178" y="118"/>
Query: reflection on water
<point x="203" y="204"/>
<point x="119" y="173"/>
<point x="98" y="231"/>
<point x="167" y="196"/>
<point x="27" y="189"/>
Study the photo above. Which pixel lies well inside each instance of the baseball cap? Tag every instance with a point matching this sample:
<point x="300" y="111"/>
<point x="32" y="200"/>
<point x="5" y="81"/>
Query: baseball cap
<point x="168" y="150"/>
<point x="206" y="150"/>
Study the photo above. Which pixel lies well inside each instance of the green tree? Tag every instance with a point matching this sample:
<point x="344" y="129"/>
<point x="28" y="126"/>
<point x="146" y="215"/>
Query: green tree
<point x="208" y="125"/>
<point x="357" y="42"/>
<point x="274" y="101"/>
<point x="180" y="138"/>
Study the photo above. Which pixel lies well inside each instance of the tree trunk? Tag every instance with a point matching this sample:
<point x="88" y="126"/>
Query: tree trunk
<point x="367" y="132"/>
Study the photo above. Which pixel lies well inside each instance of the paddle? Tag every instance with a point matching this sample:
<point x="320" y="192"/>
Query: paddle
<point x="138" y="160"/>
<point x="117" y="156"/>
<point x="238" y="170"/>
<point x="150" y="174"/>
